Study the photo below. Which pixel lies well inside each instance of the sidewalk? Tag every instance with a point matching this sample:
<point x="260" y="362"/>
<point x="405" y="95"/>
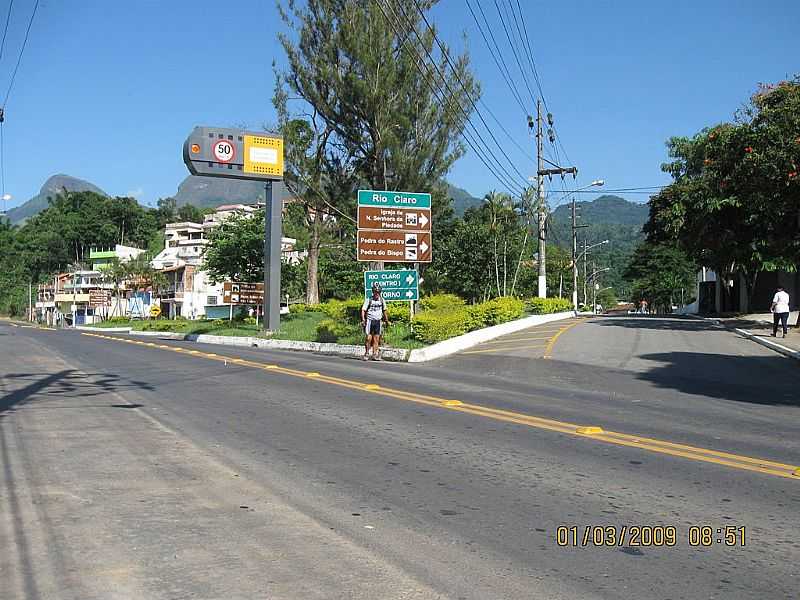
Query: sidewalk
<point x="758" y="327"/>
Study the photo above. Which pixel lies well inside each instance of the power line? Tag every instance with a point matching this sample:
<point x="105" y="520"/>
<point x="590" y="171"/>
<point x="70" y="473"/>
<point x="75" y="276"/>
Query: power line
<point x="21" y="52"/>
<point x="5" y="29"/>
<point x="464" y="87"/>
<point x="439" y="94"/>
<point x="508" y="180"/>
<point x="500" y="66"/>
<point x="514" y="51"/>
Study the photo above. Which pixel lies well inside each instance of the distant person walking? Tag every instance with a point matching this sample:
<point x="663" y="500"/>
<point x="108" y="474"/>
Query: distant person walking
<point x="373" y="314"/>
<point x="780" y="311"/>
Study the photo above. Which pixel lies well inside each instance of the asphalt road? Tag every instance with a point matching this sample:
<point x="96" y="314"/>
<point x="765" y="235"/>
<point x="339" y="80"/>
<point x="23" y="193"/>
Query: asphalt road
<point x="148" y="471"/>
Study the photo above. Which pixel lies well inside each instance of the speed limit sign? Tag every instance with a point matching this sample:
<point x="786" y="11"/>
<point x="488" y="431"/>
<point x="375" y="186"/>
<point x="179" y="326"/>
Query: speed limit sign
<point x="224" y="151"/>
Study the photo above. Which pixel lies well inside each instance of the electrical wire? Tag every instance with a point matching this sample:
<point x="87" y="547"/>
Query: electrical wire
<point x="5" y="29"/>
<point x="514" y="52"/>
<point x="500" y="66"/>
<point x="443" y="49"/>
<point x="21" y="52"/>
<point x="440" y="95"/>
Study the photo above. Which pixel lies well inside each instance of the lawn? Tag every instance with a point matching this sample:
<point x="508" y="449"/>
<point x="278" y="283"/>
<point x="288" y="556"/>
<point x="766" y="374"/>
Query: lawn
<point x="300" y="327"/>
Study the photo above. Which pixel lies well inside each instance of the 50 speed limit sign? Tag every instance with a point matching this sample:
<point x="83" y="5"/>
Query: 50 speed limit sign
<point x="224" y="151"/>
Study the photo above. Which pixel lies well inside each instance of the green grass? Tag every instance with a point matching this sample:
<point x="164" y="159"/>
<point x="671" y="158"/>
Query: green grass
<point x="300" y="327"/>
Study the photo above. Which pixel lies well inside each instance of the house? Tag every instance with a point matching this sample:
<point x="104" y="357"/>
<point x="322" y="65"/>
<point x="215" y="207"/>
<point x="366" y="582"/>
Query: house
<point x="190" y="293"/>
<point x="717" y="295"/>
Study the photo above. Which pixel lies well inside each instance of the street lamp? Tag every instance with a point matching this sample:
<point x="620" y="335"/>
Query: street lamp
<point x="595" y="183"/>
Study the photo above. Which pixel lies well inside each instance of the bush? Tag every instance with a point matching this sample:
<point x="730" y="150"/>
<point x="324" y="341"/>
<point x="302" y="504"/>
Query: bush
<point x="433" y="326"/>
<point x="330" y="330"/>
<point x="546" y="306"/>
<point x="398" y="312"/>
<point x="440" y="301"/>
<point x="250" y="321"/>
<point x="502" y="310"/>
<point x="217" y="323"/>
<point x="302" y="307"/>
<point x="158" y="326"/>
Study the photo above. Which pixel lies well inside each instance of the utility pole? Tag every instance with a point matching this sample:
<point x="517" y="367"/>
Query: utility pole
<point x="542" y="207"/>
<point x="585" y="273"/>
<point x="540" y="174"/>
<point x="574" y="256"/>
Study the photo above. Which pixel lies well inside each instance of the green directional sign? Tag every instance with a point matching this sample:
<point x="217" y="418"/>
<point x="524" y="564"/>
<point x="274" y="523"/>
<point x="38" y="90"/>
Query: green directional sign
<point x="393" y="199"/>
<point x="396" y="286"/>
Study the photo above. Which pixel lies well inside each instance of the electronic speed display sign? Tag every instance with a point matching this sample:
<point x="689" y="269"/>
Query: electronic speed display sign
<point x="234" y="153"/>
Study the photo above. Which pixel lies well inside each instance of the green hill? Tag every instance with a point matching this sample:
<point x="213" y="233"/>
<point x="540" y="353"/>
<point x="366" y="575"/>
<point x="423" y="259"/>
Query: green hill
<point x="51" y="188"/>
<point x="607" y="218"/>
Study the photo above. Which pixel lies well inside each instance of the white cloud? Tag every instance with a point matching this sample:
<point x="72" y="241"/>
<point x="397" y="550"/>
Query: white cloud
<point x="137" y="193"/>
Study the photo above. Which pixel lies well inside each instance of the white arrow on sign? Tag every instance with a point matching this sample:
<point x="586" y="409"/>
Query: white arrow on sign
<point x="423" y="247"/>
<point x="409" y="294"/>
<point x="423" y="220"/>
<point x="410" y="279"/>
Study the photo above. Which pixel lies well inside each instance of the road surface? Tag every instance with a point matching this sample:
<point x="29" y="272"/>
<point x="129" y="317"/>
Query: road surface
<point x="146" y="468"/>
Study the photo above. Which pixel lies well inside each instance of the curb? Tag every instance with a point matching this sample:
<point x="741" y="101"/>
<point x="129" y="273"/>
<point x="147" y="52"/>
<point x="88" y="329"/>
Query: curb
<point x="774" y="346"/>
<point x="473" y="338"/>
<point x="767" y="343"/>
<point x="388" y="354"/>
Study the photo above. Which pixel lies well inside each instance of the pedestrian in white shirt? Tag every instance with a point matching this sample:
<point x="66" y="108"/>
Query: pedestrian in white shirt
<point x="780" y="311"/>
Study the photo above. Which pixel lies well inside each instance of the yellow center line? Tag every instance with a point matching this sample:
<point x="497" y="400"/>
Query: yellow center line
<point x="595" y="433"/>
<point x="549" y="350"/>
<point x="506" y="340"/>
<point x="504" y="348"/>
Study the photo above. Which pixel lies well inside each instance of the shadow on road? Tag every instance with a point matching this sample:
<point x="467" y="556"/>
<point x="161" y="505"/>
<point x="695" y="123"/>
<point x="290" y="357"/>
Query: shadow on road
<point x="767" y="380"/>
<point x="659" y="323"/>
<point x="66" y="384"/>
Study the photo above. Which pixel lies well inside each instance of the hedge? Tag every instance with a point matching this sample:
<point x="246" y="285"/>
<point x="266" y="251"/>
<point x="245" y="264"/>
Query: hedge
<point x="433" y="326"/>
<point x="546" y="306"/>
<point x="439" y="301"/>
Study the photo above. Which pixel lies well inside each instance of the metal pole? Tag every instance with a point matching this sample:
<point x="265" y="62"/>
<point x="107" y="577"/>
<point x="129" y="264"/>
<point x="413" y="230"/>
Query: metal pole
<point x="574" y="256"/>
<point x="30" y="305"/>
<point x="540" y="193"/>
<point x="272" y="255"/>
<point x="585" y="274"/>
<point x="594" y="289"/>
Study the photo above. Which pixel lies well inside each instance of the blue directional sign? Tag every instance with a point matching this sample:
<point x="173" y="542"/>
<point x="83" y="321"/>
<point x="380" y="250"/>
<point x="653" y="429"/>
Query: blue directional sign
<point x="396" y="286"/>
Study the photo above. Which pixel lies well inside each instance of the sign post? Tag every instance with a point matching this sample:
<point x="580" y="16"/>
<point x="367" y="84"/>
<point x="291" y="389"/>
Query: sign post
<point x="239" y="154"/>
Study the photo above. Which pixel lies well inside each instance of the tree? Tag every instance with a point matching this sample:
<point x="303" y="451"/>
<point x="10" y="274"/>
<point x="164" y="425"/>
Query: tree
<point x="236" y="249"/>
<point x="659" y="272"/>
<point x="190" y="214"/>
<point x="380" y="116"/>
<point x="734" y="203"/>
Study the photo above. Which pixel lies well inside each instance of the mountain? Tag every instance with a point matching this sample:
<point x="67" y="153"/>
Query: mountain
<point x="208" y="192"/>
<point x="51" y="188"/>
<point x="462" y="199"/>
<point x="607" y="218"/>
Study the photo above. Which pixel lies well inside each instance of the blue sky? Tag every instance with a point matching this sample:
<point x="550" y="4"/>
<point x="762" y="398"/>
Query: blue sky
<point x="107" y="91"/>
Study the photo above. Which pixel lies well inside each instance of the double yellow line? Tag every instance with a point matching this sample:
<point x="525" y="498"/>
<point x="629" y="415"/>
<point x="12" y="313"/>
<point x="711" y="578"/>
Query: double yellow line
<point x="596" y="433"/>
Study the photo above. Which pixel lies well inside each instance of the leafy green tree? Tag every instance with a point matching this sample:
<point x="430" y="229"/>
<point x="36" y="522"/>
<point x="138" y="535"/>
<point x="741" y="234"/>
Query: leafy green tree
<point x="733" y="204"/>
<point x="190" y="214"/>
<point x="375" y="118"/>
<point x="236" y="249"/>
<point x="659" y="272"/>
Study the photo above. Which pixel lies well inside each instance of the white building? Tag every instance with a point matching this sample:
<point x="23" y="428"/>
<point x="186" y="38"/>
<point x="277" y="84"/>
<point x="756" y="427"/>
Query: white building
<point x="190" y="293"/>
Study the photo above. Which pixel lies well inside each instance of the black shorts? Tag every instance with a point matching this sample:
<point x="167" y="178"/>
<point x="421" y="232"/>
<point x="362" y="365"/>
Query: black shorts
<point x="373" y="327"/>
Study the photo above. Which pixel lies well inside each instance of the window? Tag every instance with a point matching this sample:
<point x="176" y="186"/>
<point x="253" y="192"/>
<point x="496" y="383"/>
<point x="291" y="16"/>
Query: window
<point x="211" y="301"/>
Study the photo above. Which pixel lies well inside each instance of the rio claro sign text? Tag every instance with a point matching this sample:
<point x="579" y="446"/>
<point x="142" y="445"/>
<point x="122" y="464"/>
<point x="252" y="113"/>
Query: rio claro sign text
<point x="394" y="226"/>
<point x="234" y="153"/>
